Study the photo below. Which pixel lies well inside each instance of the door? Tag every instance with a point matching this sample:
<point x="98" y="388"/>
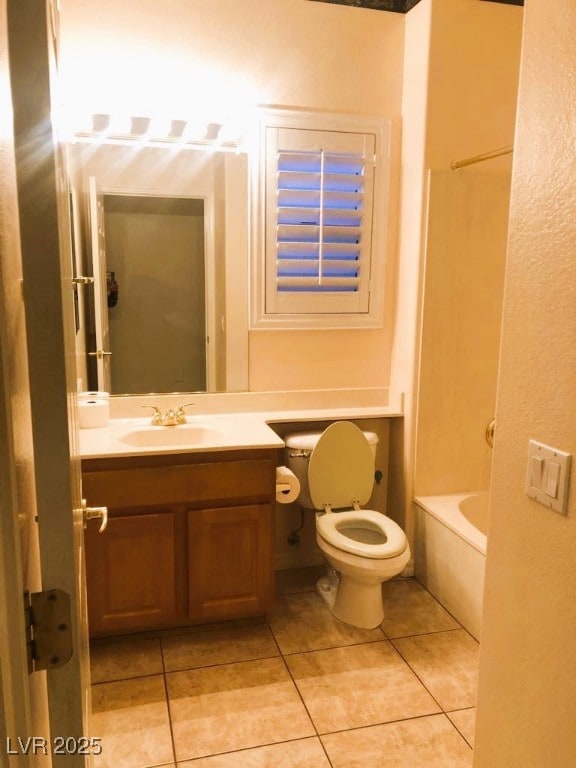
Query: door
<point x="40" y="403"/>
<point x="19" y="555"/>
<point x="98" y="245"/>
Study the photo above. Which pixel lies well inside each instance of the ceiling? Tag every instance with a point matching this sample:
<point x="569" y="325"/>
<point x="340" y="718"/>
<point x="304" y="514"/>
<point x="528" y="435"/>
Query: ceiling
<point x="397" y="6"/>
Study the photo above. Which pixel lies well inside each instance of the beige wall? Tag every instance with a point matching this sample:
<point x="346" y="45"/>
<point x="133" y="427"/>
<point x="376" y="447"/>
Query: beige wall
<point x="182" y="58"/>
<point x="474" y="61"/>
<point x="408" y="277"/>
<point x="460" y="82"/>
<point x="527" y="706"/>
<point x="170" y="56"/>
<point x="465" y="254"/>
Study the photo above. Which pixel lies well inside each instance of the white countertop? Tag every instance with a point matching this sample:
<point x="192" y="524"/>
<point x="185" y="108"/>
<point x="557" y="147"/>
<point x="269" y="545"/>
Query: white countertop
<point x="128" y="437"/>
<point x="129" y="434"/>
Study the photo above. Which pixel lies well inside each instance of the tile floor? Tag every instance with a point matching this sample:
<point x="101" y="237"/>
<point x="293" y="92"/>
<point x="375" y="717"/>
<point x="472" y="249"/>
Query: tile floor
<point x="304" y="692"/>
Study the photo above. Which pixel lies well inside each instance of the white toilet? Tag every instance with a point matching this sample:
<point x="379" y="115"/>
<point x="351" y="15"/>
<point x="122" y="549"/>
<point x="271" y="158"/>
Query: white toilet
<point x="336" y="473"/>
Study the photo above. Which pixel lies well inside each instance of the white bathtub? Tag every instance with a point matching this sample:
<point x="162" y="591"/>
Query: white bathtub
<point x="450" y="552"/>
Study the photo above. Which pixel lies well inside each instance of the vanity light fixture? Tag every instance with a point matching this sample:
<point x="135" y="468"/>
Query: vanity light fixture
<point x="119" y="125"/>
<point x="193" y="130"/>
<point x="194" y="134"/>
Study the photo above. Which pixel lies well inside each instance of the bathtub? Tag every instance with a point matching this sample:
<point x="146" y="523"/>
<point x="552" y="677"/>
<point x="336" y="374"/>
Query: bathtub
<point x="450" y="552"/>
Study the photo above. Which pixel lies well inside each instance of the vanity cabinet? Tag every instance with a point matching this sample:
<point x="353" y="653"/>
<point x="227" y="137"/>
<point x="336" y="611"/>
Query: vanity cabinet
<point x="190" y="539"/>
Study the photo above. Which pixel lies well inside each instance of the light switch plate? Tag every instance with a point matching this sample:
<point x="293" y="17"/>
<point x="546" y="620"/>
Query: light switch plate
<point x="548" y="476"/>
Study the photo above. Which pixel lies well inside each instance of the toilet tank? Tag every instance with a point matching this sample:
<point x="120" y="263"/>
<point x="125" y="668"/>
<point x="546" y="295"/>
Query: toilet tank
<point x="299" y="446"/>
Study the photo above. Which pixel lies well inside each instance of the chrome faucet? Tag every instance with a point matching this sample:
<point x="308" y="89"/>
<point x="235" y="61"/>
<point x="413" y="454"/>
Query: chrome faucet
<point x="169" y="419"/>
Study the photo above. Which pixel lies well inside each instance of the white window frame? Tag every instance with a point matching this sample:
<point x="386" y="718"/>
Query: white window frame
<point x="260" y="317"/>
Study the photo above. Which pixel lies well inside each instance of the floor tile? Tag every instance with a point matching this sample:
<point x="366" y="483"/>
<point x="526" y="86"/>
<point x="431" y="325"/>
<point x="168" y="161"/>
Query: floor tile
<point x="427" y="742"/>
<point x="123" y="658"/>
<point x="131" y="718"/>
<point x="409" y="609"/>
<point x="447" y="664"/>
<point x="202" y="649"/>
<point x="304" y="623"/>
<point x="465" y="721"/>
<point x="234" y="706"/>
<point x="358" y="685"/>
<point x="305" y="753"/>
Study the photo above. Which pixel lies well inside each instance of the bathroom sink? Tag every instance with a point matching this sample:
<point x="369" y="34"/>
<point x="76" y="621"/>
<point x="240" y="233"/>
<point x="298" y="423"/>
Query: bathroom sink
<point x="165" y="437"/>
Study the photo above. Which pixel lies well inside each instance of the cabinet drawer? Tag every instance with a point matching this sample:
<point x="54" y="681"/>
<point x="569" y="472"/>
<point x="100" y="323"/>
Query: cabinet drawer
<point x="201" y="483"/>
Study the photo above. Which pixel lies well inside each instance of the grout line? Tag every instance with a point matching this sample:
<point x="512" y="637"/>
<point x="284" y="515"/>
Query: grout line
<point x="247" y="749"/>
<point x="295" y="684"/>
<point x="221" y="664"/>
<point x="318" y="735"/>
<point x="382" y="639"/>
<point x="452" y="711"/>
<point x="384" y="722"/>
<point x="447" y="611"/>
<point x="423" y="634"/>
<point x="125" y="679"/>
<point x="167" y="699"/>
<point x="422" y="681"/>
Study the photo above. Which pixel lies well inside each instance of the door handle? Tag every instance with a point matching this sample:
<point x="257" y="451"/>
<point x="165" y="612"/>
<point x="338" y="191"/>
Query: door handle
<point x="100" y="353"/>
<point x="90" y="513"/>
<point x="83" y="280"/>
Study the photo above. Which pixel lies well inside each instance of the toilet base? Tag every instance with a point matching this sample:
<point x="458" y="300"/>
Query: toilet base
<point x="327" y="591"/>
<point x="357" y="599"/>
<point x="353" y="602"/>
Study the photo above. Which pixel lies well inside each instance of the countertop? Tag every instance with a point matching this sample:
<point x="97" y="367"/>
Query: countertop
<point x="131" y="435"/>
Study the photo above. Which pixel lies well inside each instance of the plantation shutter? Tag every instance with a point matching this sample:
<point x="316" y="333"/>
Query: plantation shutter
<point x="319" y="197"/>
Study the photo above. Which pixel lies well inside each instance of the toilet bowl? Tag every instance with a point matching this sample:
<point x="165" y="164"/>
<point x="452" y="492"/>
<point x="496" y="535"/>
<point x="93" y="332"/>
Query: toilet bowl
<point x="364" y="547"/>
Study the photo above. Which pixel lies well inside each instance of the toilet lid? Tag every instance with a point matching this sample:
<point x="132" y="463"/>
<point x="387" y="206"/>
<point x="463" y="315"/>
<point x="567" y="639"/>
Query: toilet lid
<point x="364" y="532"/>
<point x="341" y="467"/>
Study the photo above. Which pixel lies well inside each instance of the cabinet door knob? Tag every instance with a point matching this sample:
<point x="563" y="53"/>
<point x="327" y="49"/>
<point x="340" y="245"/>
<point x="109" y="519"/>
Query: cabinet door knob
<point x="90" y="513"/>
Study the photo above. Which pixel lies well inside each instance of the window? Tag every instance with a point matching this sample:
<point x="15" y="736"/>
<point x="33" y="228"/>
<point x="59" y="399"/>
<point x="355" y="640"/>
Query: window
<point x="321" y="259"/>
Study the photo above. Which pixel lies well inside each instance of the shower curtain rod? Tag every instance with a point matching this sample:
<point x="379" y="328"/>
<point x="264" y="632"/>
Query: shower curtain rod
<point x="456" y="164"/>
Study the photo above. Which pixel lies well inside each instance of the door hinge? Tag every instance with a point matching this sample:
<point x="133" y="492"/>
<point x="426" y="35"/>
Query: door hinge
<point x="48" y="629"/>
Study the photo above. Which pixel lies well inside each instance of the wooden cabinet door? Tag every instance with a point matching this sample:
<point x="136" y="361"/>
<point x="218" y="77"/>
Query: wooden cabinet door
<point x="230" y="562"/>
<point x="132" y="572"/>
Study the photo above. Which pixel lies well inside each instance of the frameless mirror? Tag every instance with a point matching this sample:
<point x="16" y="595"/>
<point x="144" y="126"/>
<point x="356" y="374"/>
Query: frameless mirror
<point x="165" y="231"/>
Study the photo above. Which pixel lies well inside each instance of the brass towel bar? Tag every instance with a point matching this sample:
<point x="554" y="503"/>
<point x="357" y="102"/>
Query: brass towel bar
<point x="456" y="164"/>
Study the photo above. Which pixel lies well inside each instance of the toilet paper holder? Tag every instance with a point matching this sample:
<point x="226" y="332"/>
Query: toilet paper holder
<point x="287" y="485"/>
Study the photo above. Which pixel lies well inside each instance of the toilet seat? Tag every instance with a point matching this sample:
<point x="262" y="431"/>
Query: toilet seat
<point x="341" y="475"/>
<point x="331" y="526"/>
<point x="341" y="468"/>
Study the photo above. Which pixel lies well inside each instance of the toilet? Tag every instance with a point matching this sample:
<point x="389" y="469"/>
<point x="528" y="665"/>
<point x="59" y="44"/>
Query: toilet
<point x="364" y="547"/>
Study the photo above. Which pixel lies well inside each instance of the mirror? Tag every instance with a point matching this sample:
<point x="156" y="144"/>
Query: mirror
<point x="156" y="294"/>
<point x="165" y="234"/>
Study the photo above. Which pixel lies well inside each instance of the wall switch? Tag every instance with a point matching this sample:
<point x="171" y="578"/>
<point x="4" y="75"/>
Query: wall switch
<point x="552" y="478"/>
<point x="548" y="476"/>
